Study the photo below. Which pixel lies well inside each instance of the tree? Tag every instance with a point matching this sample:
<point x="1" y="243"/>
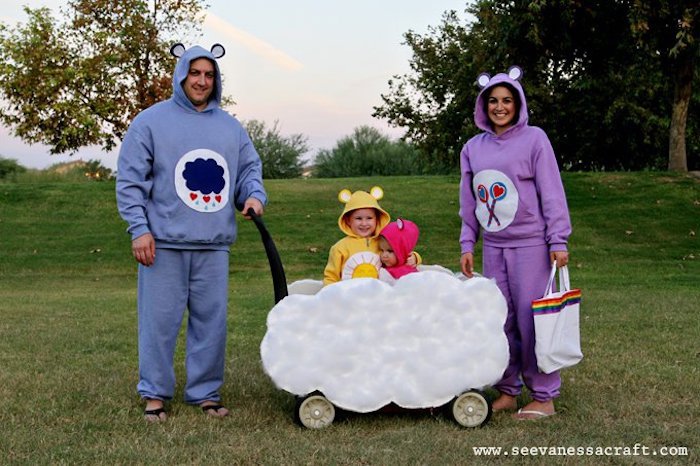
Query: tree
<point x="281" y="155"/>
<point x="602" y="99"/>
<point x="433" y="101"/>
<point x="80" y="81"/>
<point x="671" y="30"/>
<point x="367" y="152"/>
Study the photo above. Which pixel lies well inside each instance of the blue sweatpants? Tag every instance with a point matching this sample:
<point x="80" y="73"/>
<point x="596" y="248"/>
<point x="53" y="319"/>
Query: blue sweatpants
<point x="195" y="280"/>
<point x="522" y="275"/>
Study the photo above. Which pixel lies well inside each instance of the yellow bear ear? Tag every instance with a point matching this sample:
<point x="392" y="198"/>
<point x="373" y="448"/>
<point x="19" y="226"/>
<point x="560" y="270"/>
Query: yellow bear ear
<point x="344" y="196"/>
<point x="377" y="192"/>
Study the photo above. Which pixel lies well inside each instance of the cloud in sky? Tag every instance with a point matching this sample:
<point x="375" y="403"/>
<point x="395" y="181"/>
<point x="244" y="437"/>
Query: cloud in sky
<point x="252" y="43"/>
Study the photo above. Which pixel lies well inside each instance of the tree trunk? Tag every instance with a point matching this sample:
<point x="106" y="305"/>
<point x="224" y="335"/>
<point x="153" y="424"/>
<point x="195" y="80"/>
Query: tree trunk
<point x="677" y="159"/>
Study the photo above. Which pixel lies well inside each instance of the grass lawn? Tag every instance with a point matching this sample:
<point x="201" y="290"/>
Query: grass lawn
<point x="68" y="358"/>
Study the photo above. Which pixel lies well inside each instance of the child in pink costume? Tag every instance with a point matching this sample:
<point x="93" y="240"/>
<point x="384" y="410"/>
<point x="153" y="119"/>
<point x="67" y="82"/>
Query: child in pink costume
<point x="511" y="190"/>
<point x="396" y="242"/>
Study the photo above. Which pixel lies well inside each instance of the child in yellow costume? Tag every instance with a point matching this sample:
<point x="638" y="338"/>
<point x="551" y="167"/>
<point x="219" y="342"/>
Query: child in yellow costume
<point x="357" y="255"/>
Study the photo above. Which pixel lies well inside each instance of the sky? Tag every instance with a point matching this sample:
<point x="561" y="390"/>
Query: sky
<point x="316" y="67"/>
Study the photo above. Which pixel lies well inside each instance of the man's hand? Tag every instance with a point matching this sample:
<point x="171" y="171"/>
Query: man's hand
<point x="252" y="203"/>
<point x="144" y="249"/>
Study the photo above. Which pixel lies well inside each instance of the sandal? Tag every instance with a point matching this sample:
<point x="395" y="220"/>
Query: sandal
<point x="531" y="414"/>
<point x="213" y="410"/>
<point x="155" y="415"/>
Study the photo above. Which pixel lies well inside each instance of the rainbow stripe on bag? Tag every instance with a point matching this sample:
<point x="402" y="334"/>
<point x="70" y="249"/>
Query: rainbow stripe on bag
<point x="553" y="305"/>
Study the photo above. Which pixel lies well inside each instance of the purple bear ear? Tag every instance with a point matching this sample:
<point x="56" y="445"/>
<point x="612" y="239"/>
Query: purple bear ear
<point x="218" y="50"/>
<point x="515" y="72"/>
<point x="483" y="79"/>
<point x="177" y="50"/>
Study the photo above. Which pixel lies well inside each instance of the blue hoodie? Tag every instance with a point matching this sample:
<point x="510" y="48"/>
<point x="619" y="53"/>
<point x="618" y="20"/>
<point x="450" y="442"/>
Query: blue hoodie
<point x="511" y="188"/>
<point x="181" y="172"/>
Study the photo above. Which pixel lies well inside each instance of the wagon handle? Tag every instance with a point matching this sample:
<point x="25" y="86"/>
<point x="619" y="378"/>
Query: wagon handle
<point x="279" y="281"/>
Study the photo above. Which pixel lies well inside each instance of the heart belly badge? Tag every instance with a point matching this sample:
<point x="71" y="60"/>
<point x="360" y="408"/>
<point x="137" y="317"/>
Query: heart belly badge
<point x="497" y="199"/>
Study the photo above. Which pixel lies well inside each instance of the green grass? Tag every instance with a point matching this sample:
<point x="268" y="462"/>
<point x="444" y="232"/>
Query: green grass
<point x="68" y="361"/>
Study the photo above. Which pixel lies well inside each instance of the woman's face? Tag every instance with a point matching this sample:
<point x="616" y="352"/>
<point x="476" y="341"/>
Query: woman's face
<point x="501" y="108"/>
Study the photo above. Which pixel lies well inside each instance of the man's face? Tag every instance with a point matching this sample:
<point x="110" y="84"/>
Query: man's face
<point x="199" y="83"/>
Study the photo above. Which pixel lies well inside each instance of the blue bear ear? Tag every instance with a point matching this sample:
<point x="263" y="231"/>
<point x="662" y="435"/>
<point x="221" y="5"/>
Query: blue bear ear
<point x="483" y="79"/>
<point x="218" y="50"/>
<point x="177" y="50"/>
<point x="515" y="72"/>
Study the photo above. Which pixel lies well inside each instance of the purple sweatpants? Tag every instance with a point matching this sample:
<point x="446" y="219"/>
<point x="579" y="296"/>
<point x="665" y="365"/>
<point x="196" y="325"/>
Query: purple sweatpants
<point x="521" y="275"/>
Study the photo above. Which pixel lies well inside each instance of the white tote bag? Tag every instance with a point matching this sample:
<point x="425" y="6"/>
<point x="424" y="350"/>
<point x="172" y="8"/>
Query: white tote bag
<point x="556" y="316"/>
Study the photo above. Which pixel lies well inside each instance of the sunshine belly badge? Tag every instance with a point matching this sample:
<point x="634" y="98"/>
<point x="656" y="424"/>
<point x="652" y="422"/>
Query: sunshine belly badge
<point x="497" y="199"/>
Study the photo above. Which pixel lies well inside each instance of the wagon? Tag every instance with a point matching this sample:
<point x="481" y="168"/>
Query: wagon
<point x="431" y="341"/>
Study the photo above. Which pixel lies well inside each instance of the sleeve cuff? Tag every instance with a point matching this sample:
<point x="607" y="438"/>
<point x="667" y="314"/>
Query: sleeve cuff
<point x="139" y="231"/>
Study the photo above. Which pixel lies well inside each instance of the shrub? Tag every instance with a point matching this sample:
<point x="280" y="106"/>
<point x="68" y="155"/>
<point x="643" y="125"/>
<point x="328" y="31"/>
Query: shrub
<point x="367" y="152"/>
<point x="9" y="168"/>
<point x="280" y="155"/>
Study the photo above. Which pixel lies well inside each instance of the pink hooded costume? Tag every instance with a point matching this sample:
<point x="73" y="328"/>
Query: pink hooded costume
<point x="402" y="236"/>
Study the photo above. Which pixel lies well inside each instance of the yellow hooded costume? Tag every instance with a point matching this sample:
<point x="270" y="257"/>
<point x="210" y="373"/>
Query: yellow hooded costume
<point x="352" y="256"/>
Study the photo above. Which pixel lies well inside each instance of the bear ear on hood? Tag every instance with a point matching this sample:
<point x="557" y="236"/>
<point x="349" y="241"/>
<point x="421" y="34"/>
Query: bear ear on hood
<point x="515" y="72"/>
<point x="376" y="192"/>
<point x="483" y="79"/>
<point x="344" y="196"/>
<point x="177" y="50"/>
<point x="218" y="50"/>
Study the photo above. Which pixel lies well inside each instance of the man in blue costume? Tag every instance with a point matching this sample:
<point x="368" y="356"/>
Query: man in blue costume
<point x="184" y="166"/>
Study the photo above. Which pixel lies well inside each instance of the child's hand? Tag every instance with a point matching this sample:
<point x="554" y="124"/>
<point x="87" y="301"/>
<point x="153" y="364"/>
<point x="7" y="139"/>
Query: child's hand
<point x="411" y="260"/>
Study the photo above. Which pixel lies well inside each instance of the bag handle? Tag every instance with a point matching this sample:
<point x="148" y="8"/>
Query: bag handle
<point x="564" y="284"/>
<point x="550" y="282"/>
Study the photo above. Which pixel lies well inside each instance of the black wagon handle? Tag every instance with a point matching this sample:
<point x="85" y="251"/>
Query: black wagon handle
<point x="279" y="281"/>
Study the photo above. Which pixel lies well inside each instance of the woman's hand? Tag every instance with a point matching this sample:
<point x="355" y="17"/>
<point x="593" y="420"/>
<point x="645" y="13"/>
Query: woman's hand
<point x="467" y="263"/>
<point x="561" y="258"/>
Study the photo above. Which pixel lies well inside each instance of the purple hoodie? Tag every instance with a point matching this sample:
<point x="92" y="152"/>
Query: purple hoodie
<point x="511" y="187"/>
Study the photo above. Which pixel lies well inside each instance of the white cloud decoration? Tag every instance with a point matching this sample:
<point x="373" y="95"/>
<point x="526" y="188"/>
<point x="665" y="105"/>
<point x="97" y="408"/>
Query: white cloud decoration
<point x="364" y="343"/>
